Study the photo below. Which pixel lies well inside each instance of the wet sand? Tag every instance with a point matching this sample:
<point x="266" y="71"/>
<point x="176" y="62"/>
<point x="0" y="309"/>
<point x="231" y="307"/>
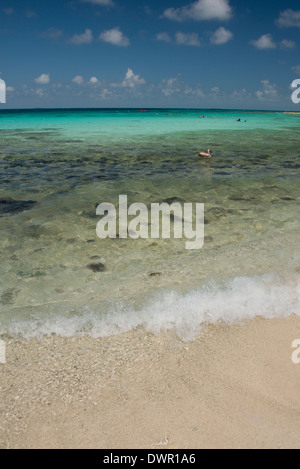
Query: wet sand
<point x="232" y="387"/>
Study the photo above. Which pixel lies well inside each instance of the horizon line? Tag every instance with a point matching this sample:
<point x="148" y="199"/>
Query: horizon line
<point x="143" y="108"/>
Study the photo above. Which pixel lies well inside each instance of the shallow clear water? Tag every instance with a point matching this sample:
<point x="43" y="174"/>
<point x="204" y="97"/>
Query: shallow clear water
<point x="69" y="161"/>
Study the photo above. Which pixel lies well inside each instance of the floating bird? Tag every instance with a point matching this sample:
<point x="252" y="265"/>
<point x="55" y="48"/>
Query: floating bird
<point x="203" y="153"/>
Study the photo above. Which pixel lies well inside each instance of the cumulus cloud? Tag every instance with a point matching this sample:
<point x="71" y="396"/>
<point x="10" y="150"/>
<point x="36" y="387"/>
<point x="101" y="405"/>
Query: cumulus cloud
<point x="93" y="80"/>
<point x="170" y="86"/>
<point x="79" y="80"/>
<point x="187" y="39"/>
<point x="289" y="19"/>
<point x="131" y="79"/>
<point x="221" y="36"/>
<point x="108" y="3"/>
<point x="215" y="90"/>
<point x="40" y="92"/>
<point x="106" y="93"/>
<point x="197" y="92"/>
<point x="114" y="36"/>
<point x="287" y="45"/>
<point x="201" y="10"/>
<point x="84" y="38"/>
<point x="264" y="42"/>
<point x="43" y="79"/>
<point x="2" y="92"/>
<point x="163" y="37"/>
<point x="269" y="91"/>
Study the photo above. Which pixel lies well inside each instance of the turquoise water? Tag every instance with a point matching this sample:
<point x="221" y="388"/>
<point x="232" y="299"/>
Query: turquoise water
<point x="58" y="165"/>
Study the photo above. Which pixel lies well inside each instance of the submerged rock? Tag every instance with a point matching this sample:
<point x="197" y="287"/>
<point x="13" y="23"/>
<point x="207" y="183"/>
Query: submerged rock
<point x="215" y="213"/>
<point x="14" y="206"/>
<point x="97" y="267"/>
<point x="9" y="296"/>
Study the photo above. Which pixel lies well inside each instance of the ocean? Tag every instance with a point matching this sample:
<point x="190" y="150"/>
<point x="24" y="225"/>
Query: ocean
<point x="58" y="276"/>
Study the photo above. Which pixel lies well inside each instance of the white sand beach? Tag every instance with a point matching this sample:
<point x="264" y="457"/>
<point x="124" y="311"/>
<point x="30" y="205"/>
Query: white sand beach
<point x="232" y="387"/>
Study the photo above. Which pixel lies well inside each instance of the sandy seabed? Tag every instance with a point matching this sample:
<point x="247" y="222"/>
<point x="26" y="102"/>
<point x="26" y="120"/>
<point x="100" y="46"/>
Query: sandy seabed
<point x="232" y="387"/>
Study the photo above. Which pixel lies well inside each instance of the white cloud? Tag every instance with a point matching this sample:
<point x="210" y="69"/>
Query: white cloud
<point x="287" y="45"/>
<point x="268" y="88"/>
<point x="197" y="92"/>
<point x="170" y="86"/>
<point x="131" y="79"/>
<point x="240" y="94"/>
<point x="84" y="38"/>
<point x="108" y="3"/>
<point x="10" y="89"/>
<point x="187" y="39"/>
<point x="201" y="10"/>
<point x="269" y="91"/>
<point x="93" y="80"/>
<point x="217" y="94"/>
<point x="2" y="92"/>
<point x="114" y="36"/>
<point x="163" y="37"/>
<point x="106" y="93"/>
<point x="43" y="79"/>
<point x="289" y="19"/>
<point x="264" y="42"/>
<point x="221" y="36"/>
<point x="79" y="80"/>
<point x="39" y="92"/>
<point x="296" y="69"/>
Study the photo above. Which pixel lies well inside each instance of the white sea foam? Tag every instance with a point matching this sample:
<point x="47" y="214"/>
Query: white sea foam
<point x="241" y="299"/>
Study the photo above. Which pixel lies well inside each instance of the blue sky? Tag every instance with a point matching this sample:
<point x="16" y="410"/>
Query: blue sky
<point x="156" y="53"/>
